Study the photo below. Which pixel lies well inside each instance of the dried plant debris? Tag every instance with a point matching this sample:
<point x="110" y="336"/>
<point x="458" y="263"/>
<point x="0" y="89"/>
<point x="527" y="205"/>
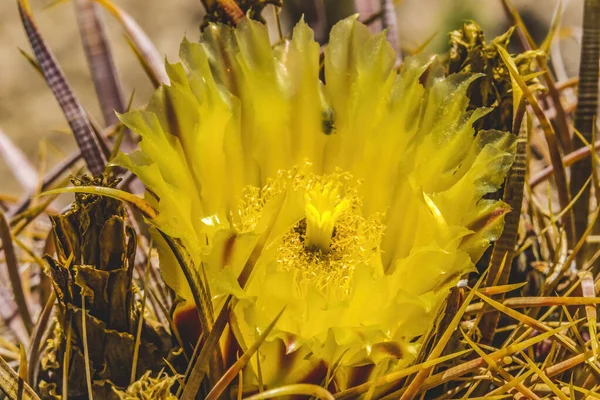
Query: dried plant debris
<point x="470" y="53"/>
<point x="149" y="388"/>
<point x="92" y="276"/>
<point x="230" y="11"/>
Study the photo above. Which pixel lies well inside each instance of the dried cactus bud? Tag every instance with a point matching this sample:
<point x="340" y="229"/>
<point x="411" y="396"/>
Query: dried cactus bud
<point x="92" y="276"/>
<point x="469" y="52"/>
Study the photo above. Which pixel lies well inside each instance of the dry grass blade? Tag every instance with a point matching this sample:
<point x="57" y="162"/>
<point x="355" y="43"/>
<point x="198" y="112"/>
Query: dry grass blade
<point x="9" y="348"/>
<point x="210" y="328"/>
<point x="554" y="27"/>
<point x="36" y="336"/>
<point x="100" y="61"/>
<point x="144" y="63"/>
<point x="567" y="364"/>
<point x="576" y="333"/>
<point x="586" y="109"/>
<point x="233" y="371"/>
<point x="588" y="290"/>
<point x="469" y="366"/>
<point x="514" y="15"/>
<point x="507" y="386"/>
<point x="32" y="61"/>
<point x="421" y="376"/>
<point x="76" y="117"/>
<point x="138" y="334"/>
<point x="13" y="273"/>
<point x="48" y="180"/>
<point x="198" y="371"/>
<point x="493" y="365"/>
<point x="120" y="132"/>
<point x="546" y="301"/>
<point x="504" y="248"/>
<point x="140" y="40"/>
<point x="396" y="376"/>
<point x="588" y="393"/>
<point x="526" y="320"/>
<point x="545" y="378"/>
<point x="8" y="354"/>
<point x="419" y="49"/>
<point x="555" y="156"/>
<point x="303" y="389"/>
<point x="22" y="363"/>
<point x="86" y="352"/>
<point x="21" y="221"/>
<point x="17" y="162"/>
<point x="12" y="386"/>
<point x="67" y="359"/>
<point x="199" y="289"/>
<point x="493" y="290"/>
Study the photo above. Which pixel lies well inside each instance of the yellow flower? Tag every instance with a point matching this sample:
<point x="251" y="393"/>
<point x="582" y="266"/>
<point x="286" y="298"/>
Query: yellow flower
<point x="366" y="189"/>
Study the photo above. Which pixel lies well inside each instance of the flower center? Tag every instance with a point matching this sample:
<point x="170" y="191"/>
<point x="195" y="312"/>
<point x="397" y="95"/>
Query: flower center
<point x="324" y="248"/>
<point x="331" y="236"/>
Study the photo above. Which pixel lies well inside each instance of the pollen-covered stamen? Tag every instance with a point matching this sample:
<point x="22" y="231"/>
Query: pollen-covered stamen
<point x="323" y="207"/>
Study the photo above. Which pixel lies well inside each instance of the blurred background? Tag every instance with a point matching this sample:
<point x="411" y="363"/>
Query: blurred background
<point x="30" y="116"/>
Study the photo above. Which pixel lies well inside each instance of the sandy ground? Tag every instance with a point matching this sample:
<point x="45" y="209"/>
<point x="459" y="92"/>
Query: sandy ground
<point x="30" y="116"/>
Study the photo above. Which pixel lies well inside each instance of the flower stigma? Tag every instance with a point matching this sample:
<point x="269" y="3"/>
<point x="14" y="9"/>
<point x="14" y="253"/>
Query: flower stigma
<point x="323" y="208"/>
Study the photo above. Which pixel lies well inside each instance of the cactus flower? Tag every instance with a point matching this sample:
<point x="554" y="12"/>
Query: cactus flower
<point x="364" y="185"/>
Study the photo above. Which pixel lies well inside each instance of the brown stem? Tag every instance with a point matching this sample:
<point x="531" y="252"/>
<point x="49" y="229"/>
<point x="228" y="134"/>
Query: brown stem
<point x="586" y="110"/>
